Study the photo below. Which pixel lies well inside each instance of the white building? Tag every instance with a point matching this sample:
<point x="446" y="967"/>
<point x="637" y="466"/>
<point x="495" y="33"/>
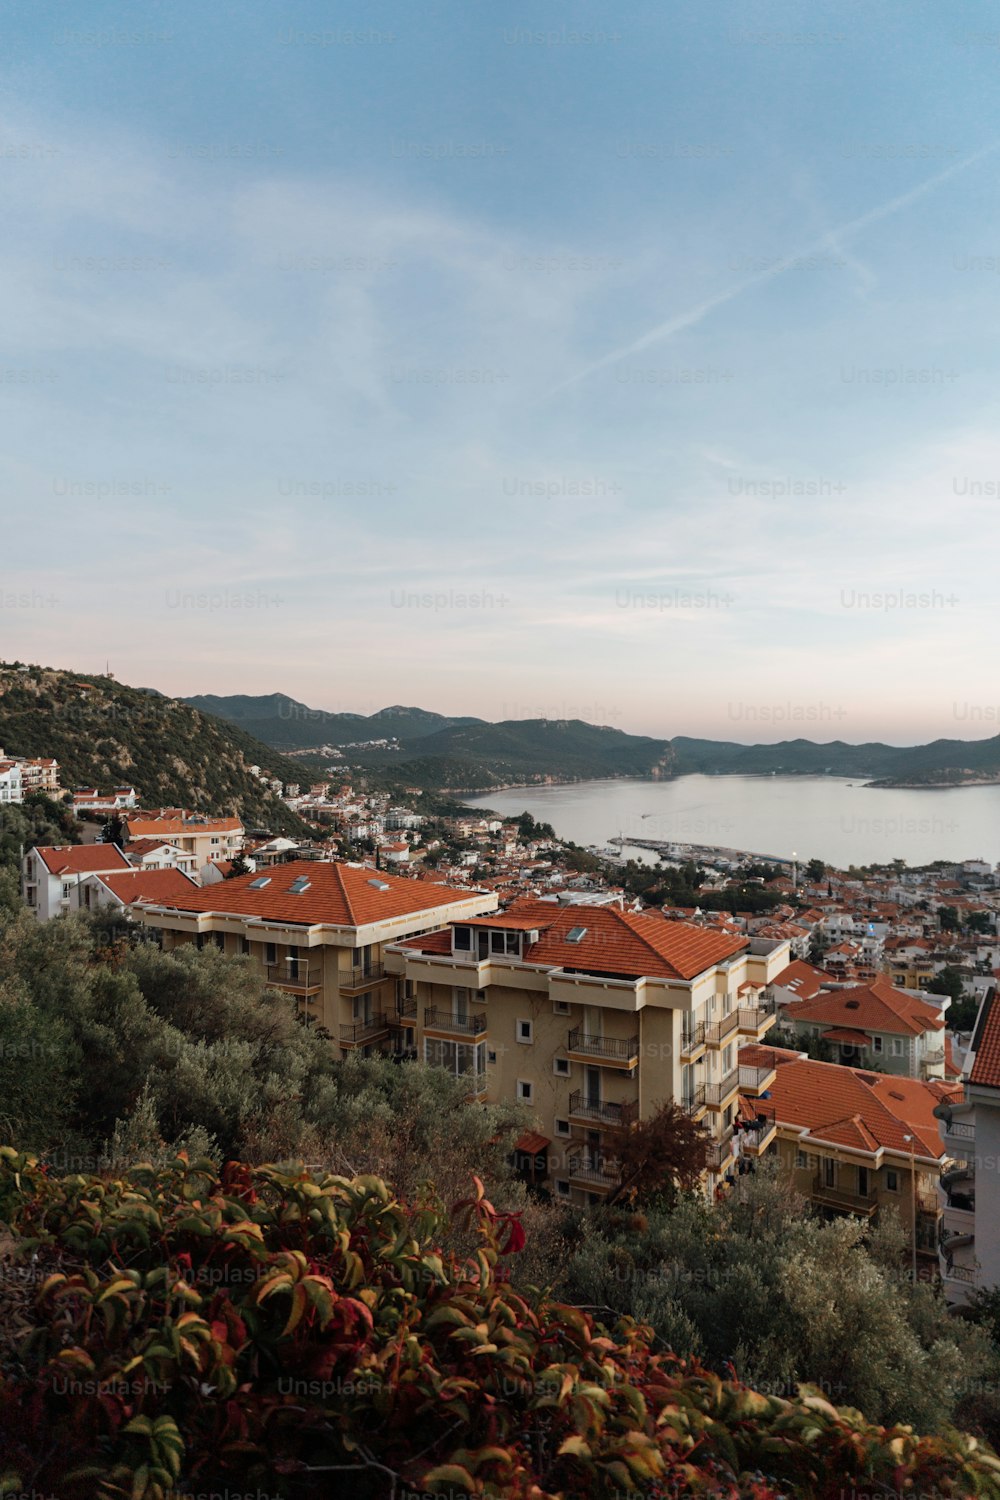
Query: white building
<point x="51" y="877"/>
<point x="970" y="1184"/>
<point x="11" y="787"/>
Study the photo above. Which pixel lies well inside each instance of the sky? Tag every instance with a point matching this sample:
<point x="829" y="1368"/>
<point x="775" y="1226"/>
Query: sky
<point x="631" y="363"/>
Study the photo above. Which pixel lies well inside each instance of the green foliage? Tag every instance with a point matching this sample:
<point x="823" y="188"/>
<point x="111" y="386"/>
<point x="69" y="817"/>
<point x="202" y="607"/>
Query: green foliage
<point x="759" y="1285"/>
<point x="306" y="1336"/>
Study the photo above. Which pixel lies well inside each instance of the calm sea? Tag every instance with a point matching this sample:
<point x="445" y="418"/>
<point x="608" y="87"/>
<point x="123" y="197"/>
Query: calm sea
<point x="815" y="817"/>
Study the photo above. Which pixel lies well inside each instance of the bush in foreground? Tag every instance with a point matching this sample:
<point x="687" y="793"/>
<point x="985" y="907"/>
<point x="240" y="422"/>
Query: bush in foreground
<point x="184" y="1330"/>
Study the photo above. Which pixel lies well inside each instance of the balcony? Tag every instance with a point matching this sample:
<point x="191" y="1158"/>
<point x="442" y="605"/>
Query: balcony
<point x="718" y="1095"/>
<point x="363" y="977"/>
<point x="295" y="977"/>
<point x="443" y="1021"/>
<point x="692" y="1039"/>
<point x="406" y="1010"/>
<point x="755" y="1080"/>
<point x="756" y="1137"/>
<point x="719" y="1152"/>
<point x="959" y="1189"/>
<point x="597" y="1111"/>
<point x="355" y="1033"/>
<point x="618" y="1052"/>
<point x="933" y="1057"/>
<point x="845" y="1201"/>
<point x="594" y="1173"/>
<point x="694" y="1102"/>
<point x="754" y="1020"/>
<point x="717" y="1031"/>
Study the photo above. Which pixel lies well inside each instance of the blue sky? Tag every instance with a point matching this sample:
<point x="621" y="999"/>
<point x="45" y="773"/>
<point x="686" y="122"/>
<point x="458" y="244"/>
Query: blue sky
<point x="637" y="364"/>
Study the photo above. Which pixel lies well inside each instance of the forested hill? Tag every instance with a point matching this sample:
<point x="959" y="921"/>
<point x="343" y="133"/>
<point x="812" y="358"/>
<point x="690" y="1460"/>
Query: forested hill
<point x="104" y="734"/>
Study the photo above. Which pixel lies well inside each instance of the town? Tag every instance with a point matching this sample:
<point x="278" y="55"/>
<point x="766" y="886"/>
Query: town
<point x="844" y="1024"/>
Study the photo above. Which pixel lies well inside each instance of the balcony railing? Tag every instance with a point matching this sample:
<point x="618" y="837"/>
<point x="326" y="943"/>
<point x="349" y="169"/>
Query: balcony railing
<point x="362" y="976"/>
<point x="719" y="1151"/>
<point x="842" y="1198"/>
<point x="960" y="1273"/>
<point x="717" y="1031"/>
<point x="934" y="1056"/>
<point x="406" y="1009"/>
<point x="597" y="1173"/>
<point x="443" y="1020"/>
<point x="692" y="1038"/>
<point x="755" y="1078"/>
<point x="296" y="975"/>
<point x="753" y="1017"/>
<point x="694" y="1100"/>
<point x="353" y="1032"/>
<point x="961" y="1131"/>
<point x="596" y="1109"/>
<point x="615" y="1049"/>
<point x="717" y="1093"/>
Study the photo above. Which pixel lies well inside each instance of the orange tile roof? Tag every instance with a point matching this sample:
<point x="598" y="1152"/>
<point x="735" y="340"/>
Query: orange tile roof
<point x="986" y="1045"/>
<point x="339" y="895"/>
<point x="630" y="944"/>
<point x="165" y="827"/>
<point x="858" y="1110"/>
<point x="149" y="885"/>
<point x="804" y="980"/>
<point x="878" y="1006"/>
<point x="845" y="1034"/>
<point x="82" y="859"/>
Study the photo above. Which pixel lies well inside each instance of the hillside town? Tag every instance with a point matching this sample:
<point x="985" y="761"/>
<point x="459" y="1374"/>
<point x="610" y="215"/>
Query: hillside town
<point x="844" y="1023"/>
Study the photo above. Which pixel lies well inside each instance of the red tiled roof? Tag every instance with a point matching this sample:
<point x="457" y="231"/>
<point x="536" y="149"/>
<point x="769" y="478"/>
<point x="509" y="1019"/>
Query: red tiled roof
<point x="159" y="886"/>
<point x="630" y="944"/>
<point x="340" y="895"/>
<point x="82" y="859"/>
<point x="986" y="1045"/>
<point x="804" y="980"/>
<point x="167" y="827"/>
<point x="874" y="1007"/>
<point x="863" y="1111"/>
<point x="532" y="1142"/>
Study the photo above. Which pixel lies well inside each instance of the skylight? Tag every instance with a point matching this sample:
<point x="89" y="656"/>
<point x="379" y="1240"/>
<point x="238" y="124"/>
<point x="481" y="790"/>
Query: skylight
<point x="576" y="934"/>
<point x="379" y="885"/>
<point x="299" y="884"/>
<point x="260" y="883"/>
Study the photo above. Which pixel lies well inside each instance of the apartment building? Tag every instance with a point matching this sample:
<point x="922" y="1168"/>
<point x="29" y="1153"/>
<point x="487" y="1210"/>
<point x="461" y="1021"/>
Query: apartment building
<point x="40" y="775"/>
<point x="594" y="1017"/>
<point x="92" y="799"/>
<point x="875" y="1023"/>
<point x="204" y="837"/>
<point x="970" y="1185"/>
<point x="158" y="854"/>
<point x="51" y="877"/>
<point x="854" y="1142"/>
<point x="11" y="784"/>
<point x="319" y="930"/>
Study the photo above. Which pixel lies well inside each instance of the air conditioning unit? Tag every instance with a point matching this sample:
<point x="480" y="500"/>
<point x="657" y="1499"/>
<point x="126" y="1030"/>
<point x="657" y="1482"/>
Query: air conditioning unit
<point x="531" y="936"/>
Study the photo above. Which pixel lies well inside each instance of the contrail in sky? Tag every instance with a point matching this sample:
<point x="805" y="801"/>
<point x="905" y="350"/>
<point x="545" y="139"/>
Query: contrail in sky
<point x="695" y="314"/>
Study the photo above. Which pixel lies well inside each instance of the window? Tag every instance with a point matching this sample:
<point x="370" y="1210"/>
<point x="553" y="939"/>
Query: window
<point x="525" y="1032"/>
<point x="560" y="1067"/>
<point x="270" y="953"/>
<point x="463" y="939"/>
<point x="456" y="1057"/>
<point x="897" y="1046"/>
<point x="244" y="945"/>
<point x="892" y="1180"/>
<point x="562" y="1127"/>
<point x="562" y="1188"/>
<point x="525" y="1091"/>
<point x="219" y="939"/>
<point x="498" y="942"/>
<point x="67" y="889"/>
<point x="560" y="1008"/>
<point x="491" y="1056"/>
<point x="576" y="934"/>
<point x="801" y="1159"/>
<point x="876" y="1044"/>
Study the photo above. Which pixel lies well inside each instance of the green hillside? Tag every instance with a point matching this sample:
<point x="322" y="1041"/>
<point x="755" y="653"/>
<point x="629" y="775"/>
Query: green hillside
<point x="103" y="734"/>
<point x="289" y="725"/>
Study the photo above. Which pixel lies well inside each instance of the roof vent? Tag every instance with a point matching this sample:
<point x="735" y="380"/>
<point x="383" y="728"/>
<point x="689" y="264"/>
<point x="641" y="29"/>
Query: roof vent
<point x="852" y="1004"/>
<point x="894" y="1095"/>
<point x="259" y="883"/>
